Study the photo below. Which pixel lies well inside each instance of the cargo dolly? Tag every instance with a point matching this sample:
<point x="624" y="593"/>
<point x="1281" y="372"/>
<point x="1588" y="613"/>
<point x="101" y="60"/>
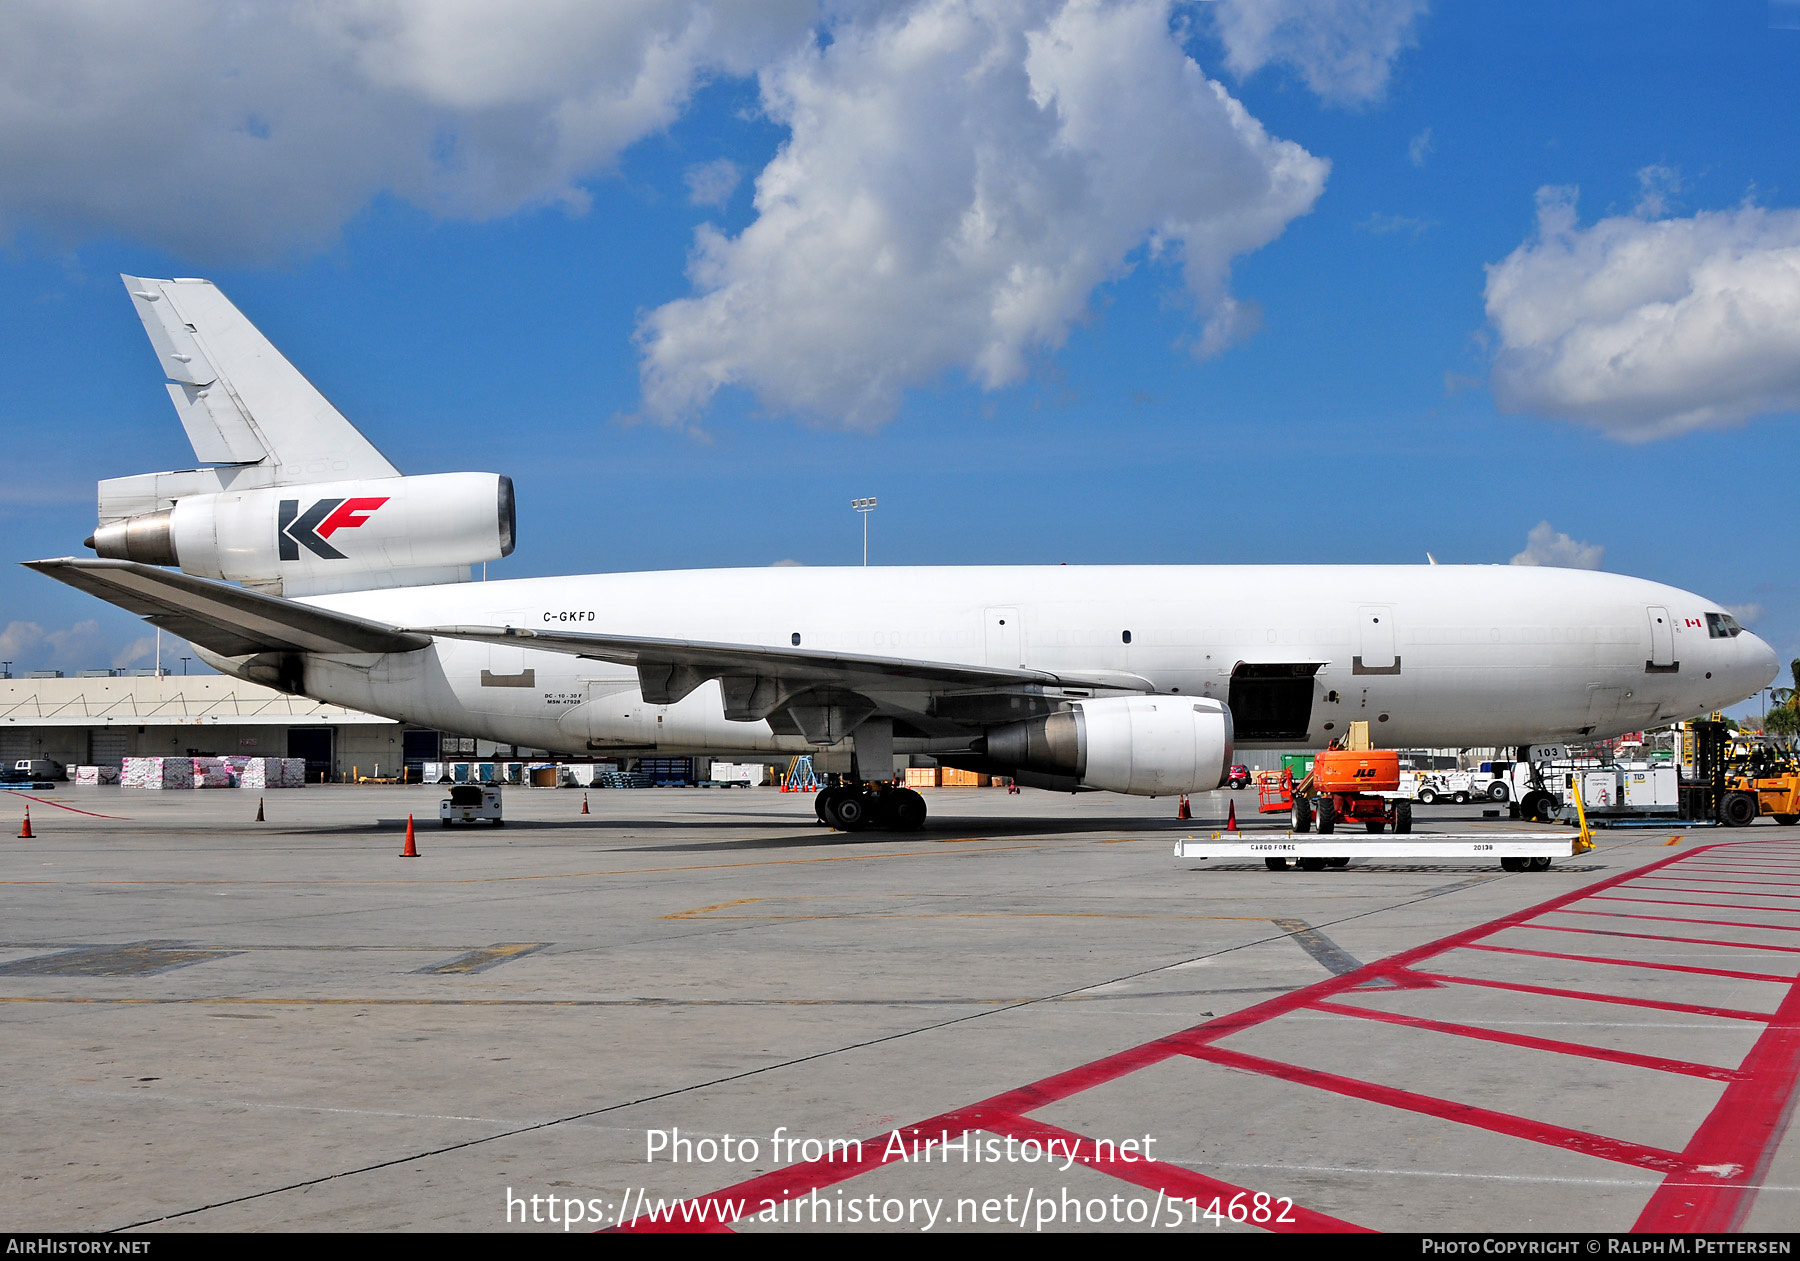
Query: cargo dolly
<point x="1514" y="851"/>
<point x="1354" y="784"/>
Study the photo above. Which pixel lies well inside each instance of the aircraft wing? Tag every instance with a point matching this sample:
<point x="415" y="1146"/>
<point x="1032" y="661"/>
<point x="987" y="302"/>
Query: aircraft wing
<point x="668" y="669"/>
<point x="234" y="621"/>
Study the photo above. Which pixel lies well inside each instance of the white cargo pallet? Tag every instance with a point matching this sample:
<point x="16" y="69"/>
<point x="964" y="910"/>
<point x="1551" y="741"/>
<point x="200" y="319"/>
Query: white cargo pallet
<point x="1485" y="846"/>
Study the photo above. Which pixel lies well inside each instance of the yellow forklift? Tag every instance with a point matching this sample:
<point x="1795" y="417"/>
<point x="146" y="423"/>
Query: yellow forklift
<point x="1761" y="777"/>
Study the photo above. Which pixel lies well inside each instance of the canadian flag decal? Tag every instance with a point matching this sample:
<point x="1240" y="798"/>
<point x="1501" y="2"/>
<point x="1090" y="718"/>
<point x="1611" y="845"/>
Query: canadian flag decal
<point x="318" y="523"/>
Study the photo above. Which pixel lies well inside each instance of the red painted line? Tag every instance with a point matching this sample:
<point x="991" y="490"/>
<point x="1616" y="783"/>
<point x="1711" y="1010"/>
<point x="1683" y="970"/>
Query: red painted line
<point x="1740" y="1135"/>
<point x="1686" y="941"/>
<point x="1678" y="888"/>
<point x="1179" y="1182"/>
<point x="1614" y="1149"/>
<point x="1009" y="1108"/>
<point x="1750" y="871"/>
<point x="1676" y="919"/>
<point x="71" y="809"/>
<point x="1639" y="963"/>
<point x="752" y="1196"/>
<point x="1580" y="1049"/>
<point x="1723" y="906"/>
<point x="1592" y="996"/>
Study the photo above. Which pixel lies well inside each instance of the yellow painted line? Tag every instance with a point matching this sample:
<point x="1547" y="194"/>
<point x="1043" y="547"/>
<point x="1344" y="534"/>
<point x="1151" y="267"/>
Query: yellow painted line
<point x="717" y="906"/>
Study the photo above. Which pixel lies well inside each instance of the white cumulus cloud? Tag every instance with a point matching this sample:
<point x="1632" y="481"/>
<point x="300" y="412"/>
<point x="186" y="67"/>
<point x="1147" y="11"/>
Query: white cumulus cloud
<point x="1343" y="49"/>
<point x="960" y="176"/>
<point x="1647" y="327"/>
<point x="226" y="130"/>
<point x="1545" y="545"/>
<point x="83" y="646"/>
<point x="713" y="183"/>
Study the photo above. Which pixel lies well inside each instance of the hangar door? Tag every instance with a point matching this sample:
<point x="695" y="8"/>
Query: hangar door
<point x="315" y="745"/>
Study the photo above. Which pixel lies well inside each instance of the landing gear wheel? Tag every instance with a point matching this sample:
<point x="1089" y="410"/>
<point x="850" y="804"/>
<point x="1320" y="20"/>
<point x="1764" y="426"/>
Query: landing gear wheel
<point x="1302" y="821"/>
<point x="1402" y="817"/>
<point x="1539" y="806"/>
<point x="1327" y="816"/>
<point x="1374" y="826"/>
<point x="852" y="811"/>
<point x="1312" y="864"/>
<point x="1276" y="864"/>
<point x="907" y="810"/>
<point x="1428" y="796"/>
<point x="825" y="805"/>
<point x="1513" y="864"/>
<point x="1540" y="864"/>
<point x="1738" y="810"/>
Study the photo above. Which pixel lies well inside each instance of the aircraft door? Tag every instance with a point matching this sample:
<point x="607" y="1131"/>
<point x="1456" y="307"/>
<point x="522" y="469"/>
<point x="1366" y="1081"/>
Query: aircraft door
<point x="1662" y="642"/>
<point x="1375" y="636"/>
<point x="1005" y="638"/>
<point x="506" y="663"/>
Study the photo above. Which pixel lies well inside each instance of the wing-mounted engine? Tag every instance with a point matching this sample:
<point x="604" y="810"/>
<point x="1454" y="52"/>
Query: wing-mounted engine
<point x="326" y="536"/>
<point x="1144" y="745"/>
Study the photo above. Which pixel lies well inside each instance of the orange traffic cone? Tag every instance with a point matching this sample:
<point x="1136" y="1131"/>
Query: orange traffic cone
<point x="584" y="808"/>
<point x="25" y="832"/>
<point x="1231" y="817"/>
<point x="259" y="815"/>
<point x="411" y="850"/>
<point x="1183" y="811"/>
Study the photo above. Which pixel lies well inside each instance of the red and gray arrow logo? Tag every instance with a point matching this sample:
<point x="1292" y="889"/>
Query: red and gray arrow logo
<point x="310" y="529"/>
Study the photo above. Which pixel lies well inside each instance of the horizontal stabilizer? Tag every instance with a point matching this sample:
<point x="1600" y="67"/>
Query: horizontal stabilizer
<point x="229" y="620"/>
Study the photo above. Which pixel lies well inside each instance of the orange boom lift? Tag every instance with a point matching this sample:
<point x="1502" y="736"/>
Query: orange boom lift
<point x="1346" y="786"/>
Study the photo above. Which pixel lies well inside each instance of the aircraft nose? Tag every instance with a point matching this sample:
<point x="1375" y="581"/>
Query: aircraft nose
<point x="1761" y="665"/>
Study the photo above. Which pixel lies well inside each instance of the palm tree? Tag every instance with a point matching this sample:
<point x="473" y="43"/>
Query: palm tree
<point x="1785" y="695"/>
<point x="1784" y="718"/>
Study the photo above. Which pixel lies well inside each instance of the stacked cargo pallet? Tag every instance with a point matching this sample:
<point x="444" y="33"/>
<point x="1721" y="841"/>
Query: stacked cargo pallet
<point x="273" y="772"/>
<point x="157" y="772"/>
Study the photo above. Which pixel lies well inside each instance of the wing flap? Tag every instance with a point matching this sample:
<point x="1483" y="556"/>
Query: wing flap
<point x="230" y="620"/>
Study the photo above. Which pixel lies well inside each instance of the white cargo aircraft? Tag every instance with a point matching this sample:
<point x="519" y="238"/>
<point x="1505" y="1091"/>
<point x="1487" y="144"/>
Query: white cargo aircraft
<point x="301" y="558"/>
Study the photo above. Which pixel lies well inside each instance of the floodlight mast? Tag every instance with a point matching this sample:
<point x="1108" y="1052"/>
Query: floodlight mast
<point x="864" y="507"/>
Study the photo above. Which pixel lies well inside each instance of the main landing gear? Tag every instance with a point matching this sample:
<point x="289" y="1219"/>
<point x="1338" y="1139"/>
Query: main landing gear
<point x="887" y="807"/>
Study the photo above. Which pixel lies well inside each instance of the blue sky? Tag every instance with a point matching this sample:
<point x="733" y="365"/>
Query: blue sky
<point x="1446" y="274"/>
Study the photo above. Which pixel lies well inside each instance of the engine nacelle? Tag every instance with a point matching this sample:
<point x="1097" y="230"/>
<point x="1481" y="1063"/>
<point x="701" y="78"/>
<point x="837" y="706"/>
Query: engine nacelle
<point x="327" y="536"/>
<point x="1144" y="745"/>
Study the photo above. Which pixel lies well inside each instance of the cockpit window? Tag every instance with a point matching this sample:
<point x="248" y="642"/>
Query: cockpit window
<point x="1722" y="626"/>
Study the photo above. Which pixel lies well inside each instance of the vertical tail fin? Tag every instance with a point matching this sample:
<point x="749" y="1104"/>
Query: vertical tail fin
<point x="239" y="399"/>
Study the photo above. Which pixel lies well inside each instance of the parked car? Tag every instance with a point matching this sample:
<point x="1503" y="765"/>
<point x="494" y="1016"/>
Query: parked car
<point x="1239" y="777"/>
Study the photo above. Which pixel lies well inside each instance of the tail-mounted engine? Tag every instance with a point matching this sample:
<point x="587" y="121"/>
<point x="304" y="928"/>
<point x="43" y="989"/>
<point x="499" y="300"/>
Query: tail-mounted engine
<point x="322" y="536"/>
